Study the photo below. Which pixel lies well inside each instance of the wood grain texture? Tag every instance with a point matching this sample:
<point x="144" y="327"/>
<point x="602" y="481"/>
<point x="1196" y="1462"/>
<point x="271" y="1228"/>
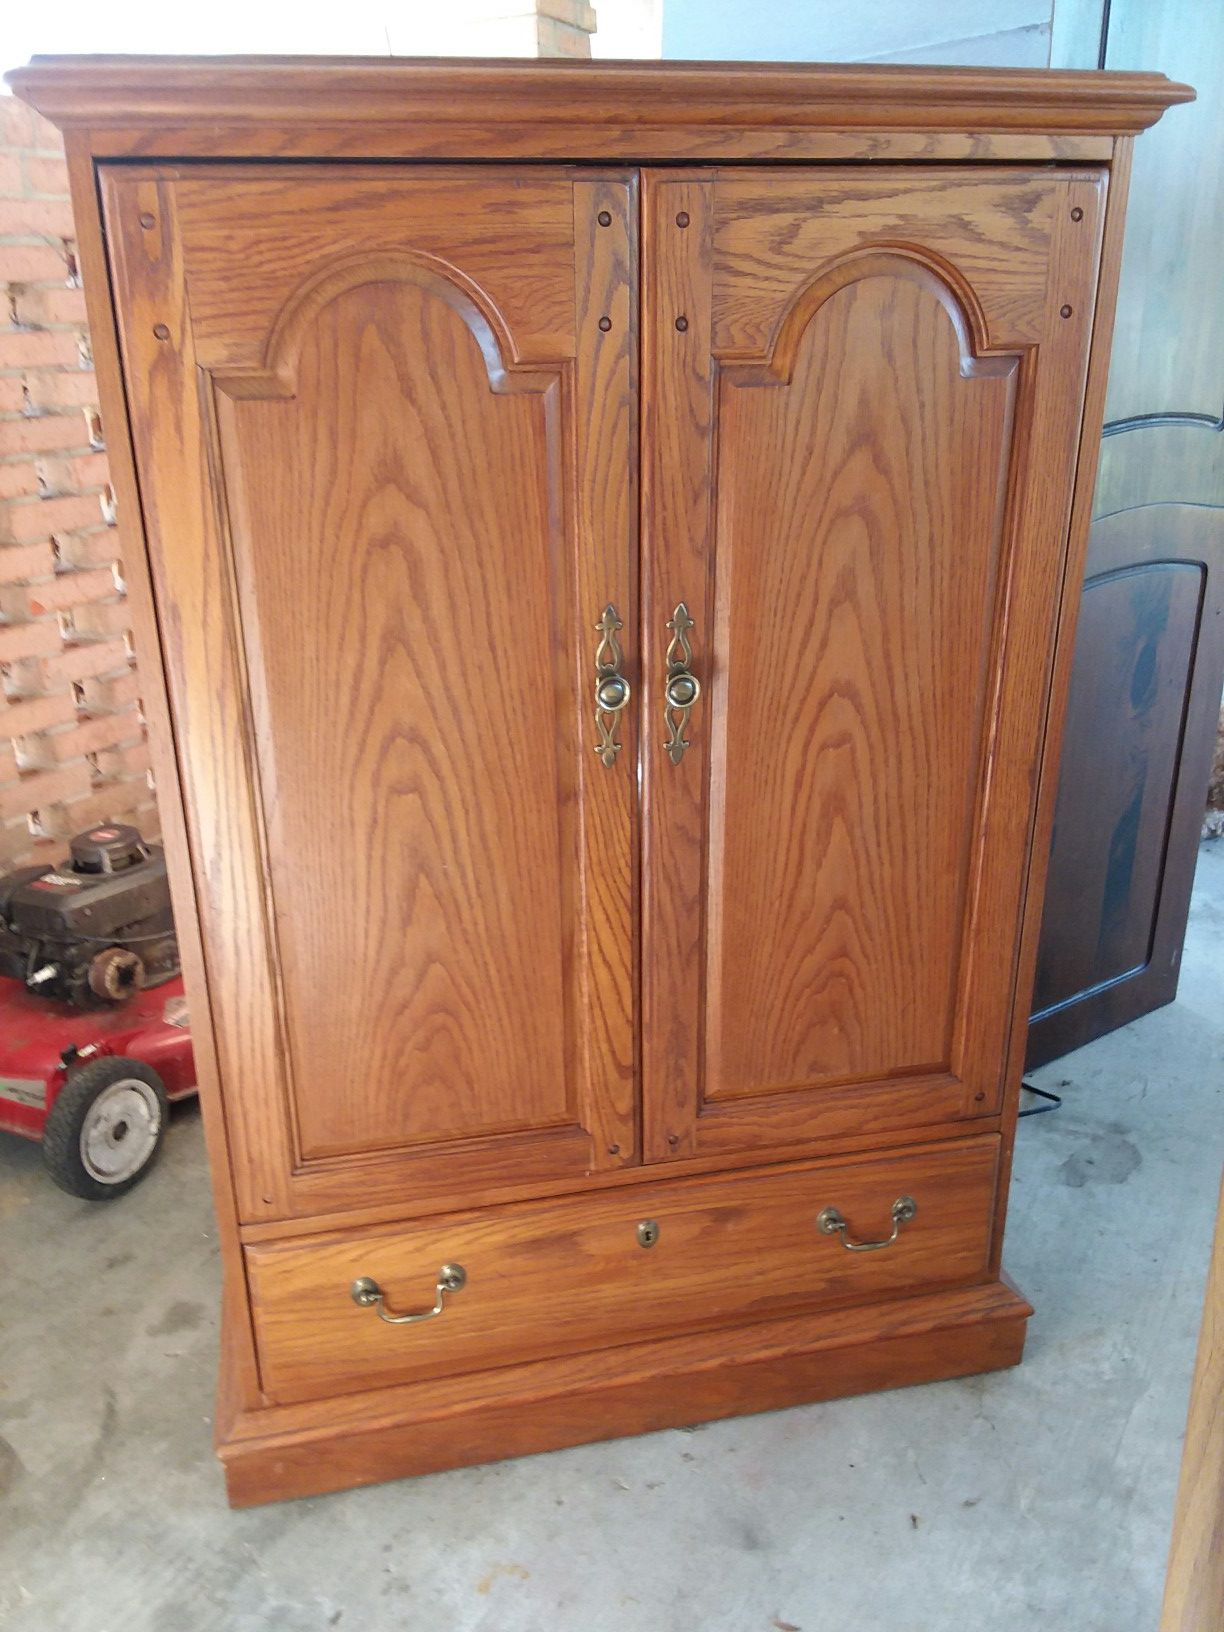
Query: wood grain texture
<point x="875" y="618"/>
<point x="392" y="680"/>
<point x="1194" y="1585"/>
<point x="381" y="603"/>
<point x="272" y="106"/>
<point x="606" y="405"/>
<point x="857" y="574"/>
<point x="568" y="1275"/>
<point x="360" y="1439"/>
<point x="990" y="230"/>
<point x="508" y="234"/>
<point x="677" y="421"/>
<point x="587" y="142"/>
<point x="1140" y="731"/>
<point x="858" y="1139"/>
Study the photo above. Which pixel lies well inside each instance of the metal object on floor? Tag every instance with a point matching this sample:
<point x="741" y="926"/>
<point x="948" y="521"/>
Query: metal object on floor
<point x="1055" y="1100"/>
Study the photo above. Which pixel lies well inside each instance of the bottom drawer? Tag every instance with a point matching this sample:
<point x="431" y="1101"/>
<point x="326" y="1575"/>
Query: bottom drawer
<point x="558" y="1276"/>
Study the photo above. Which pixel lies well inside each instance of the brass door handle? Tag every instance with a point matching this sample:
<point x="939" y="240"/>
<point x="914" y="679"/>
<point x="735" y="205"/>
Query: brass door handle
<point x="611" y="688"/>
<point x="367" y="1294"/>
<point x="831" y="1222"/>
<point x="682" y="687"/>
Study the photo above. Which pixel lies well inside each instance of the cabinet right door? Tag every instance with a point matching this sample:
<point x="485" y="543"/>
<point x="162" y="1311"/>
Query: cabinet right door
<point x="862" y="395"/>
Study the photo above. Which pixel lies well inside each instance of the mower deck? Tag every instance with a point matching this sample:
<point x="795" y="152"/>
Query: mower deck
<point x="36" y="1032"/>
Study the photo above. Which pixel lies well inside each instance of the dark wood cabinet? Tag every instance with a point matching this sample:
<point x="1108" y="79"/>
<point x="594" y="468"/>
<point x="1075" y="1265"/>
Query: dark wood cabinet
<point x="1141" y="727"/>
<point x="611" y="592"/>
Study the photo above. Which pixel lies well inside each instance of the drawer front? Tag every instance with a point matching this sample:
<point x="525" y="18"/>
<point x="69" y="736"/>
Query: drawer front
<point x="563" y="1275"/>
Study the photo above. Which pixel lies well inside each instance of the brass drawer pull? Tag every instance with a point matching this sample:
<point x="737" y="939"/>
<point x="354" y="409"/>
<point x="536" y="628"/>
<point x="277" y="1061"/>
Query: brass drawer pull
<point x="682" y="687"/>
<point x="831" y="1222"/>
<point x="367" y="1294"/>
<point x="611" y="687"/>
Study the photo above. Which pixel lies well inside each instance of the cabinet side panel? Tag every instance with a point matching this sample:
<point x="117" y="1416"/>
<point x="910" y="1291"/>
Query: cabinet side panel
<point x="210" y="719"/>
<point x="239" y="1380"/>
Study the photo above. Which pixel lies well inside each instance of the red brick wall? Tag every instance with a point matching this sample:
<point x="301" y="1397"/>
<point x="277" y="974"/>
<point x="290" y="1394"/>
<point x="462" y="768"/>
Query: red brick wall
<point x="72" y="748"/>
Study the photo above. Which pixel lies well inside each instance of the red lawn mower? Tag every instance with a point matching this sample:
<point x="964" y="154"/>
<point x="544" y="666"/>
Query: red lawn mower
<point x="94" y="1036"/>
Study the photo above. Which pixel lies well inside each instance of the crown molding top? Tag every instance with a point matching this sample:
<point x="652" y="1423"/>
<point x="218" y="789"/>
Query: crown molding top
<point x="605" y="109"/>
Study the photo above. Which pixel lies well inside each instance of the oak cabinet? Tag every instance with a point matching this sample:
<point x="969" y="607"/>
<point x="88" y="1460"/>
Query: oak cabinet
<point x="609" y="587"/>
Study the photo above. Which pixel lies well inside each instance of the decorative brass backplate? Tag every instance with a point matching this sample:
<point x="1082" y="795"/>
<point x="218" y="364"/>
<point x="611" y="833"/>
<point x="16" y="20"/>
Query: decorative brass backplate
<point x="611" y="687"/>
<point x="682" y="688"/>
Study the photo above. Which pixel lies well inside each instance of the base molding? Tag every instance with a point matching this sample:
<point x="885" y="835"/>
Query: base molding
<point x="361" y="1439"/>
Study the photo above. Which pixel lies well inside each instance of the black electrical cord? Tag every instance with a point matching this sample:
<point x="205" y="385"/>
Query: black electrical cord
<point x="101" y="940"/>
<point x="1055" y="1100"/>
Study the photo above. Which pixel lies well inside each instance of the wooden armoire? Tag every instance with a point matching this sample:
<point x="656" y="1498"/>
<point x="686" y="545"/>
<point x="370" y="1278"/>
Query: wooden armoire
<point x="604" y="543"/>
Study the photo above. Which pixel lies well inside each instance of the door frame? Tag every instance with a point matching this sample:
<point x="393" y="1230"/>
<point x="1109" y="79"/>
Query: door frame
<point x="222" y="798"/>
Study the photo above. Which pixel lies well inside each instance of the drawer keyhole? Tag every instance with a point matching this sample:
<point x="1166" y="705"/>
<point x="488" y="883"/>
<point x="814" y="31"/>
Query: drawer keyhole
<point x="647" y="1232"/>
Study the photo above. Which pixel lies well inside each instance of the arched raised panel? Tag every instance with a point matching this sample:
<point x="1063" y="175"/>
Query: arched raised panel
<point x="860" y="536"/>
<point x="276" y="373"/>
<point x="989" y="231"/>
<point x="903" y="263"/>
<point x="255" y="239"/>
<point x="390" y="711"/>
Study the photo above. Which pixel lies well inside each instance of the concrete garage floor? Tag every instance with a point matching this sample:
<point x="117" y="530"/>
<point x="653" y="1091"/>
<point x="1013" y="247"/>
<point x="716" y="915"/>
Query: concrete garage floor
<point x="1039" y="1497"/>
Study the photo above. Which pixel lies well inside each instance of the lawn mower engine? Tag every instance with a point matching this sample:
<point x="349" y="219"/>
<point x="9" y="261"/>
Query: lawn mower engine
<point x="95" y="931"/>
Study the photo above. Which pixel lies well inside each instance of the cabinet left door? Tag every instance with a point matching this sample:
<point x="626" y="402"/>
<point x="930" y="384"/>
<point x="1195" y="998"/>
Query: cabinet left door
<point x="385" y="425"/>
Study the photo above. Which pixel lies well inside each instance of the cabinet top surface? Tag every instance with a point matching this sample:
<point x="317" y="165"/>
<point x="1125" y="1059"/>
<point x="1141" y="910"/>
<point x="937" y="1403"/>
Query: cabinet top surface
<point x="623" y="109"/>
